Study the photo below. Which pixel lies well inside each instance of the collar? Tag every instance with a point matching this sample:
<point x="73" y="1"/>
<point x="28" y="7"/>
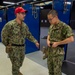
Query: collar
<point x="17" y="23"/>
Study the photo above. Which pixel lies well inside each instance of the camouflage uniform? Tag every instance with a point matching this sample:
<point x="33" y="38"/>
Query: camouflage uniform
<point x="13" y="33"/>
<point x="57" y="33"/>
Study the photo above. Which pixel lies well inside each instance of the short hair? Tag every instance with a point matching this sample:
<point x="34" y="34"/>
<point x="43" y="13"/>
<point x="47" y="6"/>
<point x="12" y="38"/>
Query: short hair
<point x="53" y="12"/>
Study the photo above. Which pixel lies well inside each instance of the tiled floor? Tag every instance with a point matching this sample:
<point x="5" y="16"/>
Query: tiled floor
<point x="35" y="66"/>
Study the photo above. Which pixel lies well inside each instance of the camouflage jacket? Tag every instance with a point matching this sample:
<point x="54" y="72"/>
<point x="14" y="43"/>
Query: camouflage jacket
<point x="59" y="32"/>
<point x="14" y="33"/>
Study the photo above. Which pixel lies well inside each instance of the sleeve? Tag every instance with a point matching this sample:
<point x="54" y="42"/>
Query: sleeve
<point x="29" y="36"/>
<point x="49" y="31"/>
<point x="4" y="35"/>
<point x="68" y="31"/>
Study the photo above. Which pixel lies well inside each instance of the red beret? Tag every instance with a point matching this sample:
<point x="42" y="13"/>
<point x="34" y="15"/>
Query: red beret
<point x="20" y="9"/>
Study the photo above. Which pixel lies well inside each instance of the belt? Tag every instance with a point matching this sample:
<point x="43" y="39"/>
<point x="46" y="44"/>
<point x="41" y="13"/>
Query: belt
<point x="58" y="45"/>
<point x="17" y="44"/>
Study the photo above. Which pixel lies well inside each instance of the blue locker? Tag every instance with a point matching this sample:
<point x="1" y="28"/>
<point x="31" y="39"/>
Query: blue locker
<point x="2" y="22"/>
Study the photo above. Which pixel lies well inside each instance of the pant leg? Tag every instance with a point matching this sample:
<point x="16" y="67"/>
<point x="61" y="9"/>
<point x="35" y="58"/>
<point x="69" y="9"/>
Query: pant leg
<point x="57" y="64"/>
<point x="50" y="65"/>
<point x="15" y="66"/>
<point x="22" y="55"/>
<point x="16" y="56"/>
<point x="54" y="65"/>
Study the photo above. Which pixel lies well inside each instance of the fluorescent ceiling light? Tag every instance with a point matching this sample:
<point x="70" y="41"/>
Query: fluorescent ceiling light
<point x="44" y="3"/>
<point x="11" y="3"/>
<point x="68" y="3"/>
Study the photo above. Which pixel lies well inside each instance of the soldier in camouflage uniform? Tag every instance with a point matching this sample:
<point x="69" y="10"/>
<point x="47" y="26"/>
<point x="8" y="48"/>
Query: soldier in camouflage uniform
<point x="13" y="35"/>
<point x="59" y="34"/>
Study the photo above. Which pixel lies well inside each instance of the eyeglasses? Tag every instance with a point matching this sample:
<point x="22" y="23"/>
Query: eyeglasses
<point x="51" y="19"/>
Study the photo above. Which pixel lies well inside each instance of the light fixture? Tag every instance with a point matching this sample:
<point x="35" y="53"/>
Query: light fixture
<point x="11" y="3"/>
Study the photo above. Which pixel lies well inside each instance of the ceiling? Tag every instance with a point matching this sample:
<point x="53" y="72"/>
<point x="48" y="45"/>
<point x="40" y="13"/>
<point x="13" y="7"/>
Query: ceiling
<point x="16" y="1"/>
<point x="7" y="3"/>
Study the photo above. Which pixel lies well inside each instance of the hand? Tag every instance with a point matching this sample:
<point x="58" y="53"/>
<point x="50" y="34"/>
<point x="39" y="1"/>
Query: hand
<point x="37" y="44"/>
<point x="48" y="43"/>
<point x="55" y="44"/>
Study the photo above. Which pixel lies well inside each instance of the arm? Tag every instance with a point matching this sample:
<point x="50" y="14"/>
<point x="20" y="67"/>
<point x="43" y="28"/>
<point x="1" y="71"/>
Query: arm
<point x="67" y="40"/>
<point x="68" y="34"/>
<point x="48" y="40"/>
<point x="48" y="37"/>
<point x="4" y="35"/>
<point x="67" y="31"/>
<point x="31" y="38"/>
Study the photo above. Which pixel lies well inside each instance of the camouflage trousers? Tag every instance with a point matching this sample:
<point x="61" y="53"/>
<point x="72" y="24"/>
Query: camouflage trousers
<point x="55" y="64"/>
<point x="54" y="60"/>
<point x="16" y="56"/>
